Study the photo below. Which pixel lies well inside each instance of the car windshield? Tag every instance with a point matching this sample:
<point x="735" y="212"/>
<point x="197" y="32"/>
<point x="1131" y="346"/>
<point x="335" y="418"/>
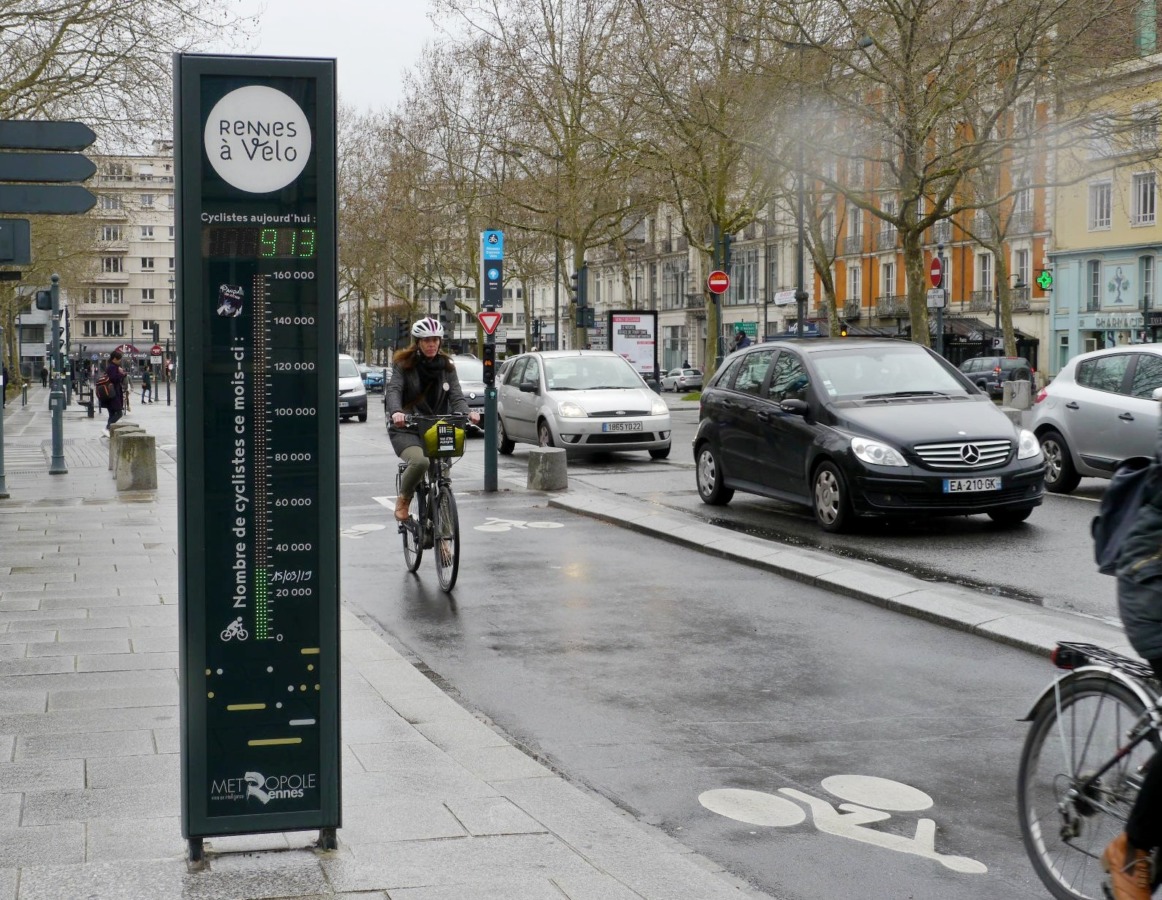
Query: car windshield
<point x="587" y="373"/>
<point x="884" y="372"/>
<point x="469" y="369"/>
<point x="347" y="368"/>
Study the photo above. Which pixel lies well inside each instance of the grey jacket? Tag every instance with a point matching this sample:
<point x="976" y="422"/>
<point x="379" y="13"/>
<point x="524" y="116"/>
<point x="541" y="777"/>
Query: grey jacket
<point x="1140" y="571"/>
<point x="405" y="393"/>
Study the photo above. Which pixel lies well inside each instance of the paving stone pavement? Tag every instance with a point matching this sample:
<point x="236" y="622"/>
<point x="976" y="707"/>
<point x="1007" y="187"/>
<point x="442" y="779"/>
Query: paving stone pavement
<point x="436" y="804"/>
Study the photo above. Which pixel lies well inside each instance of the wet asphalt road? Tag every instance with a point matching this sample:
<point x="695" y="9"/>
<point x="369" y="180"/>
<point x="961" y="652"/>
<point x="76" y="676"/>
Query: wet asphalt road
<point x="652" y="674"/>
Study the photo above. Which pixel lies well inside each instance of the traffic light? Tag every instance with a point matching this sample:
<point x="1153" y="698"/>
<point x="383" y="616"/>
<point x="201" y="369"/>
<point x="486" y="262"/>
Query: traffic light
<point x="44" y="299"/>
<point x="446" y="313"/>
<point x="580" y="285"/>
<point x="727" y="245"/>
<point x="156" y="332"/>
<point x="843" y="329"/>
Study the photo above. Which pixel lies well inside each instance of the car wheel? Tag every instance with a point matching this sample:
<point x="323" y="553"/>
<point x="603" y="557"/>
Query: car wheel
<point x="506" y="445"/>
<point x="831" y="504"/>
<point x="660" y="452"/>
<point x="1011" y="517"/>
<point x="363" y="417"/>
<point x="708" y="471"/>
<point x="544" y="434"/>
<point x="1060" y="475"/>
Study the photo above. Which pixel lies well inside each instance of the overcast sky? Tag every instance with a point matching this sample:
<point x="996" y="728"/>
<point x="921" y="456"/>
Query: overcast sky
<point x="374" y="41"/>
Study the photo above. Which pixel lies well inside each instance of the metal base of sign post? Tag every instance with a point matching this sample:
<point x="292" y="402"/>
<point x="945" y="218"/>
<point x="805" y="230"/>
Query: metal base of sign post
<point x="328" y="839"/>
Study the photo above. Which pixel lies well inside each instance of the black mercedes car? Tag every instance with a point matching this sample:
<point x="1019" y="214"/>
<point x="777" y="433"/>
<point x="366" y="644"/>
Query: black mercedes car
<point x="856" y="427"/>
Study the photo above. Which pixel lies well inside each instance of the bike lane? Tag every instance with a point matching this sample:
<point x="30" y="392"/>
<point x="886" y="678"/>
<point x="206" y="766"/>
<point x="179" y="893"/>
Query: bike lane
<point x="810" y="743"/>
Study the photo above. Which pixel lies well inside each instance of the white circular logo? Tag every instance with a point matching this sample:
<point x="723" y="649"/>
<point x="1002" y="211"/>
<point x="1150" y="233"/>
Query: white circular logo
<point x="257" y="139"/>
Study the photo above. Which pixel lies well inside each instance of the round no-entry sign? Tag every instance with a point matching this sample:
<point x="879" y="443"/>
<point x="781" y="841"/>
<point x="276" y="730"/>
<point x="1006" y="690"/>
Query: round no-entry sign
<point x="155" y="350"/>
<point x="718" y="281"/>
<point x="936" y="272"/>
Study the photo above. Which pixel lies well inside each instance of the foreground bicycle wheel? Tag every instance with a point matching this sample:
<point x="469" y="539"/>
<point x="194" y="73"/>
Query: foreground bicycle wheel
<point x="413" y="543"/>
<point x="446" y="539"/>
<point x="1065" y="826"/>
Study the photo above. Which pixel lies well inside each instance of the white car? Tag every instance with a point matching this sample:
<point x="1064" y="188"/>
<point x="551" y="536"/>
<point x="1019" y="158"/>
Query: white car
<point x="352" y="393"/>
<point x="584" y="401"/>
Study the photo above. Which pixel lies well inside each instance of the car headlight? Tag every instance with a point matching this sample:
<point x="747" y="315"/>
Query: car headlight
<point x="876" y="453"/>
<point x="570" y="410"/>
<point x="658" y="407"/>
<point x="1029" y="447"/>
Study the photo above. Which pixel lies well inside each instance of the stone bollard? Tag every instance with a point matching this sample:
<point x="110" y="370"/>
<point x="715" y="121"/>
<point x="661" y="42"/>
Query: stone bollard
<point x="547" y="469"/>
<point x="115" y="432"/>
<point x="136" y="462"/>
<point x="1017" y="394"/>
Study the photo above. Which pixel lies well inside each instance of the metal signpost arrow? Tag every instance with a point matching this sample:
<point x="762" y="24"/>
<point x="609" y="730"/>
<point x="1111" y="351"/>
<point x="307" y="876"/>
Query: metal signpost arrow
<point x="39" y="182"/>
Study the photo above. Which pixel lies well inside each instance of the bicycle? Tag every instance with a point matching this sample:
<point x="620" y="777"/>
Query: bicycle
<point x="1094" y="731"/>
<point x="435" y="523"/>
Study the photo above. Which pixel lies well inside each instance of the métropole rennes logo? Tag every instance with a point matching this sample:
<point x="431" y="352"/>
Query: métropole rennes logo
<point x="258" y="139"/>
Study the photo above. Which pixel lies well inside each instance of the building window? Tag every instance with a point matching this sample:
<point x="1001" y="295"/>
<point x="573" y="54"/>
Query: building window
<point x="171" y="263"/>
<point x="110" y="201"/>
<point x="147" y="232"/>
<point x="1093" y="285"/>
<point x="147" y="201"/>
<point x="147" y="327"/>
<point x="116" y="172"/>
<point x="171" y="232"/>
<point x="772" y="271"/>
<point x="984" y="272"/>
<point x="854" y="285"/>
<point x="1100" y="205"/>
<point x="1145" y="200"/>
<point x="744" y="275"/>
<point x="110" y="232"/>
<point x="112" y="328"/>
<point x="889" y="279"/>
<point x="147" y="295"/>
<point x="171" y="295"/>
<point x="1021" y="267"/>
<point x="1146" y="274"/>
<point x="91" y="295"/>
<point x="89" y="328"/>
<point x="112" y="295"/>
<point x="112" y="264"/>
<point x="169" y="201"/>
<point x="147" y="264"/>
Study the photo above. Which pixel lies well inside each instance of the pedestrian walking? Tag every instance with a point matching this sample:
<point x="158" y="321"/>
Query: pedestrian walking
<point x="146" y="386"/>
<point x="44" y="376"/>
<point x="116" y="403"/>
<point x="4" y="387"/>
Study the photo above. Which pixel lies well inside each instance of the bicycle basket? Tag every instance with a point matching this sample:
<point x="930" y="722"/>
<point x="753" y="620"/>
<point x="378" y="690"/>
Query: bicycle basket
<point x="444" y="439"/>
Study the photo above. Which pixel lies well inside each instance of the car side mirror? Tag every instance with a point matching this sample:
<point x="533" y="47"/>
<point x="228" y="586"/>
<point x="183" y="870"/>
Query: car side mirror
<point x="794" y="407"/>
<point x="1157" y="395"/>
<point x="528" y="388"/>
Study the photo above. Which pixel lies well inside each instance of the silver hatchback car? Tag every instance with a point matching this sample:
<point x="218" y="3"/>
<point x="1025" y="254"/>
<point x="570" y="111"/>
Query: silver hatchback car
<point x="584" y="401"/>
<point x="1099" y="410"/>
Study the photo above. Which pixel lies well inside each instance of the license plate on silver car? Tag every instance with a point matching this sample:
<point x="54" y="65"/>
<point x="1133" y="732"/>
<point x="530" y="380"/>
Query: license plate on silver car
<point x="961" y="485"/>
<point x="621" y="426"/>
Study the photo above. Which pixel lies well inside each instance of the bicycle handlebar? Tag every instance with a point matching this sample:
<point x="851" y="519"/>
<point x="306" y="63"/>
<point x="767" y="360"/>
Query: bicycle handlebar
<point x="415" y="420"/>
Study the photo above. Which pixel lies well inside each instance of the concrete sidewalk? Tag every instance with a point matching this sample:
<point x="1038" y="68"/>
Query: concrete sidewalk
<point x="436" y="804"/>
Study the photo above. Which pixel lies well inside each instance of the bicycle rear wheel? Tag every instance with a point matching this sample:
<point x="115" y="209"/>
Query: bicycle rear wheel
<point x="1065" y="825"/>
<point x="446" y="538"/>
<point x="412" y="531"/>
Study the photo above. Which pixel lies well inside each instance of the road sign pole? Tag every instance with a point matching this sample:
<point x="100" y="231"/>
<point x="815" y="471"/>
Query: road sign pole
<point x="491" y="263"/>
<point x="4" y="393"/>
<point x="56" y="397"/>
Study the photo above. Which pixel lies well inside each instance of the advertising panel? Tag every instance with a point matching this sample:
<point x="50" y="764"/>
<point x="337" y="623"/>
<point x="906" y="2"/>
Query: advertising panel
<point x="258" y="444"/>
<point x="633" y="334"/>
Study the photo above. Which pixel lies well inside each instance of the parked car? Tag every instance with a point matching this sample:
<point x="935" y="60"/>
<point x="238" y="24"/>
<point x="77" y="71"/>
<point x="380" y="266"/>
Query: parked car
<point x="374" y="377"/>
<point x="989" y="373"/>
<point x="852" y="427"/>
<point x="682" y="380"/>
<point x="585" y="401"/>
<point x="352" y="393"/>
<point x="1098" y="411"/>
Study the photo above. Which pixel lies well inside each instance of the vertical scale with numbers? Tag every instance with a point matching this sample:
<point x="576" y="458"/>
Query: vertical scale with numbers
<point x="258" y="446"/>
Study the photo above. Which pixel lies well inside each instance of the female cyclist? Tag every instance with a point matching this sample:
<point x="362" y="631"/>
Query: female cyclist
<point x="424" y="381"/>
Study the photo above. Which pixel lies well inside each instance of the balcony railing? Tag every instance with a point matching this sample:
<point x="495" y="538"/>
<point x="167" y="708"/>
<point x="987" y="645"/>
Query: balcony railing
<point x="695" y="301"/>
<point x="853" y="245"/>
<point x="1020" y="299"/>
<point x="1022" y="222"/>
<point x="892" y="306"/>
<point x="853" y="308"/>
<point x="940" y="233"/>
<point x="981" y="301"/>
<point x="111" y="278"/>
<point x="982" y="227"/>
<point x="886" y="239"/>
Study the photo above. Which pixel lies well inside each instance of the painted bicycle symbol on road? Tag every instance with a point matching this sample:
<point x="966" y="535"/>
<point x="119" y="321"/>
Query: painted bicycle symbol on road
<point x="869" y="799"/>
<point x="497" y="525"/>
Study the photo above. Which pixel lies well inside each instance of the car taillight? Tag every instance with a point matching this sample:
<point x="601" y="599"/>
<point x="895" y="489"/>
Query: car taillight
<point x="1041" y="395"/>
<point x="997" y="370"/>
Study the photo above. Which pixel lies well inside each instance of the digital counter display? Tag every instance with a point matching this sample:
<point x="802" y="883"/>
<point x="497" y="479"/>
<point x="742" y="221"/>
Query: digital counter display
<point x="244" y="242"/>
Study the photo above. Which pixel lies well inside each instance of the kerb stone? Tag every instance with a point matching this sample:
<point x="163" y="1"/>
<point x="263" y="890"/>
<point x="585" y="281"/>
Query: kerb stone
<point x="136" y="462"/>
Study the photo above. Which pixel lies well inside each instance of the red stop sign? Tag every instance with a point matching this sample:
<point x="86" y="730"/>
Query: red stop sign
<point x="936" y="272"/>
<point x="718" y="281"/>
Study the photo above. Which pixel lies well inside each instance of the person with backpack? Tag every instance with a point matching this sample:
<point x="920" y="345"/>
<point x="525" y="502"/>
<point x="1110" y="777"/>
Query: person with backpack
<point x="1139" y="574"/>
<point x="114" y="401"/>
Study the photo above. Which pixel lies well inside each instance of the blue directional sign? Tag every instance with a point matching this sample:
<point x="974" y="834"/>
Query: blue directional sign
<point x="493" y="245"/>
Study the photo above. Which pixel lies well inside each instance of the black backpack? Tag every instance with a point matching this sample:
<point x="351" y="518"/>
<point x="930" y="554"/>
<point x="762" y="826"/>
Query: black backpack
<point x="1127" y="490"/>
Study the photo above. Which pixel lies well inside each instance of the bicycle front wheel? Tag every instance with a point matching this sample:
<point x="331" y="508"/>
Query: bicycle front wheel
<point x="446" y="538"/>
<point x="412" y="532"/>
<point x="1065" y="822"/>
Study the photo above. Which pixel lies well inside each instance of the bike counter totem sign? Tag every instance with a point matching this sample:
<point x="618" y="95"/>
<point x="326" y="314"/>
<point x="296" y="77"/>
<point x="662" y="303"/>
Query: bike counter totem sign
<point x="258" y="446"/>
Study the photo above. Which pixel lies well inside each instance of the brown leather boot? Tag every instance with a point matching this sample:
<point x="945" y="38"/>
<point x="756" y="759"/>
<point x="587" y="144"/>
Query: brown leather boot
<point x="1128" y="868"/>
<point x="401" y="508"/>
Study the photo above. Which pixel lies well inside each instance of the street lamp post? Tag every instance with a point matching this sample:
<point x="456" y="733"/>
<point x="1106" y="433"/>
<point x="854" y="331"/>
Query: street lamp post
<point x="557" y="254"/>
